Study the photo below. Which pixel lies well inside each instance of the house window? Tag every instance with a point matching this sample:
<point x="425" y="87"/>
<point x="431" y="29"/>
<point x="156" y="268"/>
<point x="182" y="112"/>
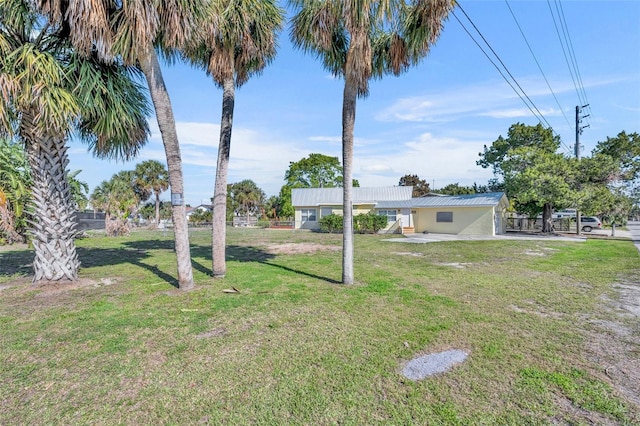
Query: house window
<point x="390" y="214"/>
<point x="308" y="215"/>
<point x="444" y="217"/>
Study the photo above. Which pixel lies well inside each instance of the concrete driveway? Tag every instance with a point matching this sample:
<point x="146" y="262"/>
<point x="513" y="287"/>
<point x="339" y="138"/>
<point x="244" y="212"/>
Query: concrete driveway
<point x="433" y="238"/>
<point x="634" y="233"/>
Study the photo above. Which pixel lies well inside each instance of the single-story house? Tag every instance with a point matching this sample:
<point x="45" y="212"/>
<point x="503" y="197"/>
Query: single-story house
<point x="201" y="208"/>
<point x="472" y="214"/>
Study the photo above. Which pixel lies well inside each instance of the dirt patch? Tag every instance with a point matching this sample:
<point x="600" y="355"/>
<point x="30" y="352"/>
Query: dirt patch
<point x="535" y="308"/>
<point x="13" y="247"/>
<point x="407" y="253"/>
<point x="300" y="248"/>
<point x="456" y="265"/>
<point x="45" y="288"/>
<point x="614" y="343"/>
<point x="216" y="332"/>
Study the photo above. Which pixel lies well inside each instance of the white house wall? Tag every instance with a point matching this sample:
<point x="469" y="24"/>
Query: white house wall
<point x="299" y="224"/>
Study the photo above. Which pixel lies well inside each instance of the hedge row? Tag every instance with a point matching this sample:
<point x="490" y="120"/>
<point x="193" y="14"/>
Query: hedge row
<point x="362" y="223"/>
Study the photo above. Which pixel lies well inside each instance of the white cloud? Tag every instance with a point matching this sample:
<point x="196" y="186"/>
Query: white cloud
<point x="440" y="159"/>
<point x="330" y="139"/>
<point x="518" y="112"/>
<point x="376" y="168"/>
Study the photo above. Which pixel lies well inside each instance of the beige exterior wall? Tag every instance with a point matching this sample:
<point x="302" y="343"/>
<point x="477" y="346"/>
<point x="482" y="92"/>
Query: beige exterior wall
<point x="466" y="220"/>
<point x="326" y="210"/>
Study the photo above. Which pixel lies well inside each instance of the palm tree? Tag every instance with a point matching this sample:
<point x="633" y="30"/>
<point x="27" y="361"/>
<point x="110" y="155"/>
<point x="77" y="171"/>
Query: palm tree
<point x="238" y="42"/>
<point x="130" y="30"/>
<point x="152" y="177"/>
<point x="118" y="198"/>
<point x="357" y="40"/>
<point x="79" y="190"/>
<point x="247" y="197"/>
<point x="47" y="91"/>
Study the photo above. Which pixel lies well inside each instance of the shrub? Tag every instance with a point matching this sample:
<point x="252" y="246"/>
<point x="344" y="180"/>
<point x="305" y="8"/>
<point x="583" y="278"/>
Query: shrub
<point x="331" y="223"/>
<point x="369" y="222"/>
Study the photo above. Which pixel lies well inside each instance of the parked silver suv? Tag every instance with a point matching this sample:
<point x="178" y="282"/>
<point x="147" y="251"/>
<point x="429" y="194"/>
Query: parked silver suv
<point x="589" y="223"/>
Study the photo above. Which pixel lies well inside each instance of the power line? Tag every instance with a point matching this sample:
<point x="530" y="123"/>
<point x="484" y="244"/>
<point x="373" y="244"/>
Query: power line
<point x="573" y="54"/>
<point x="530" y="104"/>
<point x="538" y="64"/>
<point x="569" y="59"/>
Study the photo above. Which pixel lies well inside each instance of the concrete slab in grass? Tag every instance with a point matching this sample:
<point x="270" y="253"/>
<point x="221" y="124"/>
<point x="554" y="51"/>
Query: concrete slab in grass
<point x="428" y="365"/>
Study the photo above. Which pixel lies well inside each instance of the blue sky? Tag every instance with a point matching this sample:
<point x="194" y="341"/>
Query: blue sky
<point x="431" y="121"/>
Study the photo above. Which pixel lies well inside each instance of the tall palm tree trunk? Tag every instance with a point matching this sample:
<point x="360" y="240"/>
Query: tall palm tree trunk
<point x="166" y="122"/>
<point x="348" y="123"/>
<point x="219" y="225"/>
<point x="53" y="227"/>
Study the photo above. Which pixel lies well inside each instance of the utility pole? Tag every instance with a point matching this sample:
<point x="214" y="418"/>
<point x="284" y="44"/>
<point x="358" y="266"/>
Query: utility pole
<point x="577" y="150"/>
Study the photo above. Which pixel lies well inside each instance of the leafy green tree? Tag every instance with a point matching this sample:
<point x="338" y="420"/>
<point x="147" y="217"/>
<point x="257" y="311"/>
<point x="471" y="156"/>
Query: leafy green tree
<point x="420" y="186"/>
<point x="539" y="181"/>
<point x="315" y="171"/>
<point x="535" y="176"/>
<point x="247" y="198"/>
<point x="237" y="42"/>
<point x="48" y="90"/>
<point x="15" y="184"/>
<point x="519" y="135"/>
<point x="358" y="40"/>
<point x="625" y="149"/>
<point x="285" y="207"/>
<point x="456" y="189"/>
<point x="597" y="189"/>
<point x="152" y="177"/>
<point x="119" y="201"/>
<point x="272" y="206"/>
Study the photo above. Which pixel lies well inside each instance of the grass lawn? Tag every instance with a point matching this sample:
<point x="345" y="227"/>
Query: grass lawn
<point x="540" y="320"/>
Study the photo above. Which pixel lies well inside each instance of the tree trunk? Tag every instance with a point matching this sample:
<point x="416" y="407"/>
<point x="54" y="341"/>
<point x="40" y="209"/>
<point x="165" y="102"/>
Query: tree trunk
<point x="7" y="221"/>
<point x="166" y="122"/>
<point x="219" y="234"/>
<point x="547" y="221"/>
<point x="157" y="209"/>
<point x="348" y="123"/>
<point x="52" y="227"/>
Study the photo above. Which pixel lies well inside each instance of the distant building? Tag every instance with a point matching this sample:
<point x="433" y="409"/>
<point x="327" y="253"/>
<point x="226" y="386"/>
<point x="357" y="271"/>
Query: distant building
<point x="471" y="214"/>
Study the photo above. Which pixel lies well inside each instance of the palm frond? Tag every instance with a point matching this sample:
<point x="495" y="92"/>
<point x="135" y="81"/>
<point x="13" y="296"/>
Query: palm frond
<point x="87" y="21"/>
<point x="423" y="24"/>
<point x="136" y="23"/>
<point x="113" y="108"/>
<point x="238" y="40"/>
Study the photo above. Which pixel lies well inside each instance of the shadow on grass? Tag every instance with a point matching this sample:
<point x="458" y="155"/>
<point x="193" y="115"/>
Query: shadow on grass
<point x="135" y="252"/>
<point x="306" y="274"/>
<point x="18" y="261"/>
<point x="249" y="254"/>
<point x="129" y="254"/>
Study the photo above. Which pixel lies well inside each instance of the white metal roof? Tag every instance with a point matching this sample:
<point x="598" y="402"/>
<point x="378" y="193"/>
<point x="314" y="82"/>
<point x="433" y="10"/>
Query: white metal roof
<point x="301" y="197"/>
<point x="468" y="200"/>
